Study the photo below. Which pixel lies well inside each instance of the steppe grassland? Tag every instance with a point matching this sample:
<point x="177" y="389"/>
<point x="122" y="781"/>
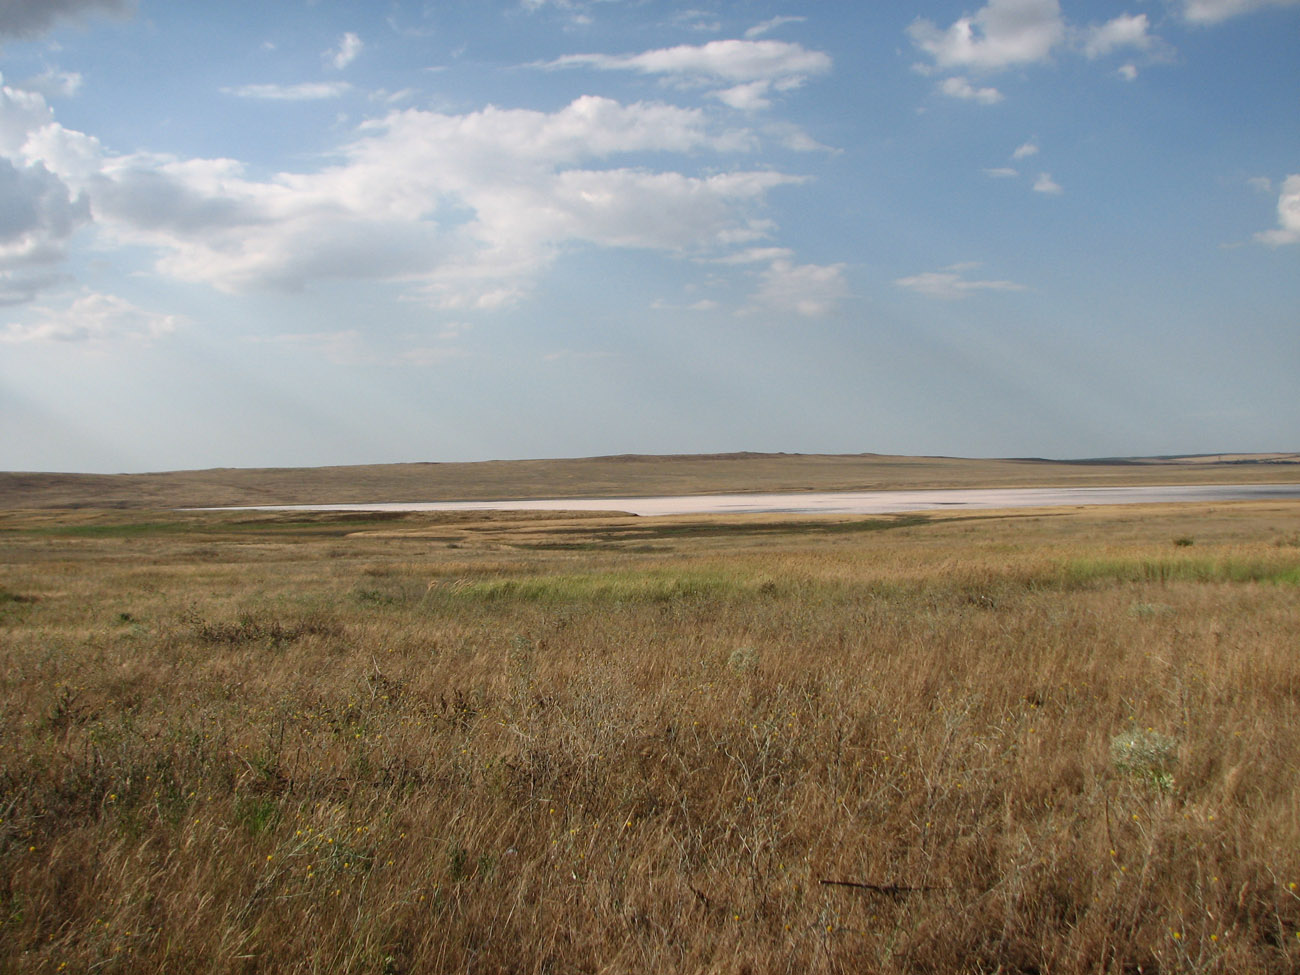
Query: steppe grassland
<point x="1035" y="741"/>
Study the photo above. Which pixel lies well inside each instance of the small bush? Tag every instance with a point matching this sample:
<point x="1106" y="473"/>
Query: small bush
<point x="1146" y="755"/>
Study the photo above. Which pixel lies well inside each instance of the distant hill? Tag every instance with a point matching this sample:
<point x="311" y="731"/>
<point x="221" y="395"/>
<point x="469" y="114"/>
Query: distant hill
<point x="621" y="475"/>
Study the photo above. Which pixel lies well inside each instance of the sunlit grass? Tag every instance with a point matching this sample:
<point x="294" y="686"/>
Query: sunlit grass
<point x="1051" y="742"/>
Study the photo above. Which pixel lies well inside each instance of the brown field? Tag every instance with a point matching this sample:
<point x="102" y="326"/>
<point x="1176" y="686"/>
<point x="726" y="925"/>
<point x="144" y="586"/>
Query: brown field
<point x="623" y="476"/>
<point x="1033" y="741"/>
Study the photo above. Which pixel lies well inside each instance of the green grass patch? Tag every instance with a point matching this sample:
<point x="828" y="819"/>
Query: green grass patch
<point x="1088" y="571"/>
<point x="117" y="530"/>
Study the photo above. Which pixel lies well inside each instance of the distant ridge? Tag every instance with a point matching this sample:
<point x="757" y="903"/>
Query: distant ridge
<point x="620" y="475"/>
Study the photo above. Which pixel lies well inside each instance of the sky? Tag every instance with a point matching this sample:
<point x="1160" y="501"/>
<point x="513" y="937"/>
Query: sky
<point x="312" y="232"/>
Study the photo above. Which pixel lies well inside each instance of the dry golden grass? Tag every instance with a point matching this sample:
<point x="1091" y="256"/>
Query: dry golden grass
<point x="1046" y="741"/>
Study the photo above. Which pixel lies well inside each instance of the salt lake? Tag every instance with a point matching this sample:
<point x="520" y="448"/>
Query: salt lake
<point x="840" y="502"/>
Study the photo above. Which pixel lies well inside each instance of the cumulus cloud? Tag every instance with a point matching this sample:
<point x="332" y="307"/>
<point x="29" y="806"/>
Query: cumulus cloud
<point x="465" y="210"/>
<point x="959" y="87"/>
<point x="1010" y="33"/>
<point x="30" y="18"/>
<point x="346" y="52"/>
<point x="39" y="210"/>
<point x="91" y="318"/>
<point x="305" y="91"/>
<point x="22" y="112"/>
<point x="1024" y="150"/>
<point x="810" y="290"/>
<point x="461" y="210"/>
<point x="1128" y="72"/>
<point x="951" y="284"/>
<point x="1214" y="11"/>
<point x="38" y="213"/>
<point x="1288" y="215"/>
<point x="1001" y="34"/>
<point x="1124" y="31"/>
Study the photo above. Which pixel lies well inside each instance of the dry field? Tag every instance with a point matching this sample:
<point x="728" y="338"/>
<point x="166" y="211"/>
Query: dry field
<point x="1042" y="741"/>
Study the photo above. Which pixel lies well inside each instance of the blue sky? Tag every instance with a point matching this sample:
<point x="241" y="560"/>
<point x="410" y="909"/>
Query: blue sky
<point x="301" y="233"/>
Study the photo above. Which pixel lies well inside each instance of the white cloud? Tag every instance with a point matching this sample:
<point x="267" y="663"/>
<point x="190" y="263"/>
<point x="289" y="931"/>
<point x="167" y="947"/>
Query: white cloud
<point x="38" y="213"/>
<point x="1214" y="11"/>
<point x="1288" y="215"/>
<point x="1045" y="184"/>
<point x="462" y="211"/>
<point x="1124" y="31"/>
<point x="735" y="62"/>
<point x="1001" y="172"/>
<point x="91" y="318"/>
<point x="465" y="210"/>
<point x="1128" y="72"/>
<point x="758" y="30"/>
<point x="30" y="18"/>
<point x="950" y="284"/>
<point x="21" y="113"/>
<point x="959" y="87"/>
<point x="1025" y="150"/>
<point x="704" y="304"/>
<point x="750" y="70"/>
<point x="748" y="97"/>
<point x="349" y="47"/>
<point x="794" y="138"/>
<point x="1261" y="183"/>
<point x="41" y="207"/>
<point x="1001" y="34"/>
<point x="660" y="211"/>
<point x="305" y="91"/>
<point x="54" y="84"/>
<point x="574" y="10"/>
<point x="755" y="255"/>
<point x="39" y="210"/>
<point x="1009" y="33"/>
<point x="810" y="290"/>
